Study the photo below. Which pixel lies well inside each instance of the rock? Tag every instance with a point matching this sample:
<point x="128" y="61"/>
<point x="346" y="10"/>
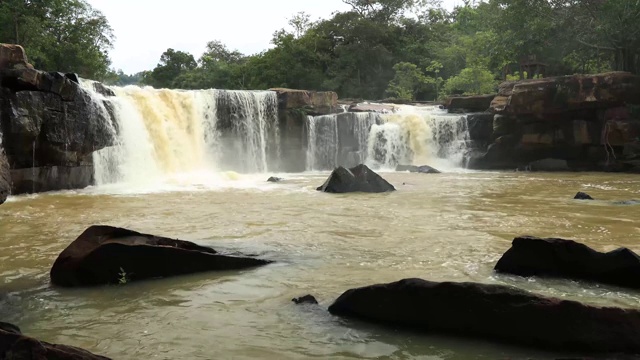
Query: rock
<point x="356" y="179"/>
<point x="493" y="312"/>
<point x="622" y="132"/>
<point x="307" y="299"/>
<point x="15" y="346"/>
<point x="103" y="90"/>
<point x="10" y="328"/>
<point x="274" y="179"/>
<point x="480" y="127"/>
<point x="5" y="176"/>
<point x="371" y="107"/>
<point x="424" y="169"/>
<point x="73" y="77"/>
<point x="312" y="102"/>
<point x="558" y="258"/>
<point x="13" y="57"/>
<point x="549" y="165"/>
<point x="469" y="104"/>
<point x="627" y="202"/>
<point x="110" y="255"/>
<point x="569" y="93"/>
<point x="582" y="196"/>
<point x="50" y="178"/>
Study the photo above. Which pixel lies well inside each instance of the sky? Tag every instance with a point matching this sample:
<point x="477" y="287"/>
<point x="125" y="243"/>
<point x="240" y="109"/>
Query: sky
<point x="144" y="29"/>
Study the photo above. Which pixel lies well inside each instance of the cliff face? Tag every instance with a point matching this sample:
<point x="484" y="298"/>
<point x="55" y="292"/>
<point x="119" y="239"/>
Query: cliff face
<point x="50" y="126"/>
<point x="592" y="122"/>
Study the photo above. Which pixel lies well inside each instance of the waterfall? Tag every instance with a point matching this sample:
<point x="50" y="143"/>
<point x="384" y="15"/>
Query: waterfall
<point x="419" y="136"/>
<point x="163" y="134"/>
<point x="338" y="139"/>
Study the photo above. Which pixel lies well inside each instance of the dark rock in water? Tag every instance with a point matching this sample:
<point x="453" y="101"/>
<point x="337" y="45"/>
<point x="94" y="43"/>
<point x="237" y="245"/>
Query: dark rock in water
<point x="110" y="255"/>
<point x="494" y="312"/>
<point x="582" y="196"/>
<point x="356" y="179"/>
<point x="10" y="328"/>
<point x="558" y="258"/>
<point x="424" y="169"/>
<point x="307" y="299"/>
<point x="627" y="202"/>
<point x="5" y="177"/>
<point x="14" y="345"/>
<point x="101" y="89"/>
<point x="549" y="165"/>
<point x="274" y="179"/>
<point x="73" y="77"/>
<point x="464" y="104"/>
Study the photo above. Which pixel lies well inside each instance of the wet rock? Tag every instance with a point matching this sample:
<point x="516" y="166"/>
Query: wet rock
<point x="5" y="177"/>
<point x="469" y="104"/>
<point x="356" y="179"/>
<point x="111" y="255"/>
<point x="493" y="312"/>
<point x="307" y="299"/>
<point x="549" y="165"/>
<point x="372" y="107"/>
<point x="424" y="169"/>
<point x="15" y="346"/>
<point x="10" y="328"/>
<point x="559" y="258"/>
<point x="582" y="196"/>
<point x="274" y="179"/>
<point x="480" y="127"/>
<point x="103" y="90"/>
<point x="627" y="202"/>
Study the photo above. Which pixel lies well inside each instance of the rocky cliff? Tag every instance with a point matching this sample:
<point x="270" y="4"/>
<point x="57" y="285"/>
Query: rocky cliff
<point x="50" y="126"/>
<point x="580" y="122"/>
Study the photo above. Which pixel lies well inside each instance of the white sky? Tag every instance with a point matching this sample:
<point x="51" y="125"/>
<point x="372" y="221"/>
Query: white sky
<point x="144" y="29"/>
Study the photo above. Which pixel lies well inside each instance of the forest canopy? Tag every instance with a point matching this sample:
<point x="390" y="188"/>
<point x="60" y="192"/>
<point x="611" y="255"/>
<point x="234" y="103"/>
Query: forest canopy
<point x="401" y="49"/>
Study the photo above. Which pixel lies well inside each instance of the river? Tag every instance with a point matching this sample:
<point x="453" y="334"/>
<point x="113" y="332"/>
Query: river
<point x="450" y="226"/>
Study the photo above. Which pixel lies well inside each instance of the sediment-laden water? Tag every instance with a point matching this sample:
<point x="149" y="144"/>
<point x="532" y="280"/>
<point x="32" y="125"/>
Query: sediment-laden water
<point x="451" y="226"/>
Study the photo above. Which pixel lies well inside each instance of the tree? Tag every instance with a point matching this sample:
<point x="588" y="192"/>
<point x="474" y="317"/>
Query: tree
<point x="471" y="81"/>
<point x="172" y="64"/>
<point x="407" y="81"/>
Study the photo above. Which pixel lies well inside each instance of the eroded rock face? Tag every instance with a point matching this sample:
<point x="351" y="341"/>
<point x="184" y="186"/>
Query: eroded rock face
<point x="493" y="312"/>
<point x="111" y="255"/>
<point x="356" y="179"/>
<point x="469" y="104"/>
<point x="312" y="102"/>
<point x="559" y="258"/>
<point x="5" y="177"/>
<point x="14" y="345"/>
<point x="50" y="123"/>
<point x="13" y="57"/>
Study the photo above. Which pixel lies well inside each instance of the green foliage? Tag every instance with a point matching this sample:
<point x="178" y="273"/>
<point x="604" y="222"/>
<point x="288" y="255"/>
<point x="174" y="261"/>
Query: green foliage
<point x="471" y="81"/>
<point x="407" y="81"/>
<point x="59" y="35"/>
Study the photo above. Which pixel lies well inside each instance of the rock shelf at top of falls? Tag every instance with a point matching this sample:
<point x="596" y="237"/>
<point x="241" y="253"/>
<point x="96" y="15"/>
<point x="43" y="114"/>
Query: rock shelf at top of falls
<point x="111" y="255"/>
<point x="494" y="312"/>
<point x="559" y="258"/>
<point x="357" y="179"/>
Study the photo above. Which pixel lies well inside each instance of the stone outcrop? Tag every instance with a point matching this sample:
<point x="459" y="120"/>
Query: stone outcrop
<point x="424" y="169"/>
<point x="356" y="179"/>
<point x="582" y="196"/>
<point x="469" y="104"/>
<point x="372" y="107"/>
<point x="13" y="57"/>
<point x="50" y="126"/>
<point x="5" y="177"/>
<point x="559" y="258"/>
<point x="110" y="255"/>
<point x="14" y="345"/>
<point x="311" y="102"/>
<point x="307" y="299"/>
<point x="590" y="121"/>
<point x="494" y="312"/>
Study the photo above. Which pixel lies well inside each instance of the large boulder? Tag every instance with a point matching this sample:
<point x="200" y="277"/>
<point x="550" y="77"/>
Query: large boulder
<point x="494" y="312"/>
<point x="5" y="176"/>
<point x="424" y="169"/>
<point x="111" y="255"/>
<point x="15" y="346"/>
<point x="469" y="104"/>
<point x="559" y="258"/>
<point x="311" y="102"/>
<point x="357" y="179"/>
<point x="13" y="57"/>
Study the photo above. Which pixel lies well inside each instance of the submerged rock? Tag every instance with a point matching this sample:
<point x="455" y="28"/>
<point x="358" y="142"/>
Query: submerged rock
<point x="5" y="177"/>
<point x="274" y="179"/>
<point x="111" y="255"/>
<point x="559" y="258"/>
<point x="356" y="179"/>
<point x="307" y="299"/>
<point x="494" y="312"/>
<point x="14" y="345"/>
<point x="424" y="169"/>
<point x="582" y="196"/>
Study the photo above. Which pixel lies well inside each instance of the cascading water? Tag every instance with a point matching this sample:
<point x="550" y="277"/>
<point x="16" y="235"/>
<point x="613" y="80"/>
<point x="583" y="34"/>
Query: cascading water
<point x="338" y="139"/>
<point x="420" y="136"/>
<point x="169" y="134"/>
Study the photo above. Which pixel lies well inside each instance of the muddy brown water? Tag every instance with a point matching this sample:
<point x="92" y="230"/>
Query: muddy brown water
<point x="451" y="227"/>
